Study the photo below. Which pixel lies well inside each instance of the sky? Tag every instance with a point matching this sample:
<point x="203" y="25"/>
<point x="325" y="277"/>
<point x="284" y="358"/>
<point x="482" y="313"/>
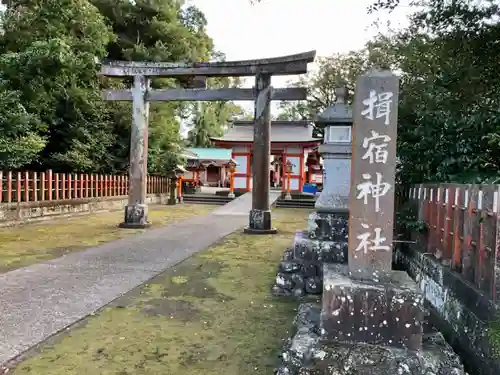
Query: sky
<point x="273" y="28"/>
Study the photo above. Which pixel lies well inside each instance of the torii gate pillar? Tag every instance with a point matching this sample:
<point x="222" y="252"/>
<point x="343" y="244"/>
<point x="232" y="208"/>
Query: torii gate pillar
<point x="136" y="210"/>
<point x="260" y="215"/>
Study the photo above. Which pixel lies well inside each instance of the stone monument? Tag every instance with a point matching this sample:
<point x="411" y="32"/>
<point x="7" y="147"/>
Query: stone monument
<point x="371" y="318"/>
<point x="366" y="301"/>
<point x="325" y="240"/>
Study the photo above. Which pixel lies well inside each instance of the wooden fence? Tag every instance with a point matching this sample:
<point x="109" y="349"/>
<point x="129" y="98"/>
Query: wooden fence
<point x="462" y="229"/>
<point x="47" y="186"/>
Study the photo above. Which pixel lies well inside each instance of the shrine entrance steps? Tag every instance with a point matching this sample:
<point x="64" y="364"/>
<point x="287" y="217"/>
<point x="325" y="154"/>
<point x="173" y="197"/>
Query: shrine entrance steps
<point x="211" y="199"/>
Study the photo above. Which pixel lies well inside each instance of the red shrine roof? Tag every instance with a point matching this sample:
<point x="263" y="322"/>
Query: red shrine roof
<point x="281" y="132"/>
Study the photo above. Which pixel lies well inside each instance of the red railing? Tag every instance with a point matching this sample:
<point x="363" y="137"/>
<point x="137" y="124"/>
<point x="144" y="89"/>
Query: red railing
<point x="463" y="229"/>
<point x="48" y="186"/>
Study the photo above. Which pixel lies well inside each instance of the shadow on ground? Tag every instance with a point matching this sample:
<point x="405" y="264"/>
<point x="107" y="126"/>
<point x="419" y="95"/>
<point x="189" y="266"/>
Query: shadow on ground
<point x="212" y="314"/>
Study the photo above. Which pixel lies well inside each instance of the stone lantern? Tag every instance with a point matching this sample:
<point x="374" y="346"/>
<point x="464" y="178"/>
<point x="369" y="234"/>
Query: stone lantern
<point x="232" y="168"/>
<point x="174" y="177"/>
<point x="336" y="152"/>
<point x="325" y="240"/>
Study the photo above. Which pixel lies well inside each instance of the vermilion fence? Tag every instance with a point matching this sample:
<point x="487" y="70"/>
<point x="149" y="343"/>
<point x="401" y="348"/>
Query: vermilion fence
<point x="48" y="186"/>
<point x="462" y="229"/>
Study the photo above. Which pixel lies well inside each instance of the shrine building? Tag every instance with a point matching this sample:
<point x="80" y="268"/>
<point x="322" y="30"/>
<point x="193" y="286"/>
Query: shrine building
<point x="290" y="141"/>
<point x="207" y="166"/>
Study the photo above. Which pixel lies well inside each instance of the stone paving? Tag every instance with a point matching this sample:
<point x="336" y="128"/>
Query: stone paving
<point x="242" y="205"/>
<point x="40" y="300"/>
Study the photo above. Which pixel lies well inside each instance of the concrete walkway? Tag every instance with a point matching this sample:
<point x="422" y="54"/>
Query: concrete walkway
<point x="242" y="205"/>
<point x="40" y="300"/>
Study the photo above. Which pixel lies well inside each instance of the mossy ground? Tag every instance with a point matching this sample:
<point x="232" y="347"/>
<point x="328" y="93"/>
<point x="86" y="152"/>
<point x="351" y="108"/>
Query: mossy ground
<point x="211" y="314"/>
<point x="494" y="336"/>
<point x="24" y="245"/>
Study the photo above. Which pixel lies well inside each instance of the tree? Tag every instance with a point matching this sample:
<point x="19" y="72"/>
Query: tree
<point x="160" y="30"/>
<point x="53" y="115"/>
<point x="48" y="62"/>
<point x="210" y="119"/>
<point x="449" y="103"/>
<point x="20" y="142"/>
<point x="449" y="107"/>
<point x="331" y="73"/>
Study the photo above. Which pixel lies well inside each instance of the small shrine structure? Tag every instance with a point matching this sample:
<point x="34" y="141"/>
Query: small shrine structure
<point x="290" y="141"/>
<point x="207" y="166"/>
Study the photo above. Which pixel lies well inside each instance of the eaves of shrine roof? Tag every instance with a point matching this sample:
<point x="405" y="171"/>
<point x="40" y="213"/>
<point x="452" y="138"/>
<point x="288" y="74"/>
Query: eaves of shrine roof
<point x="281" y="131"/>
<point x="213" y="154"/>
<point x="188" y="154"/>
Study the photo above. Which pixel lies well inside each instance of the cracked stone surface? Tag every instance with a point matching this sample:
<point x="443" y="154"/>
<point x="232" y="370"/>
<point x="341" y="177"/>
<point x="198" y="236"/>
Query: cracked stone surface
<point x="305" y="353"/>
<point x="328" y="226"/>
<point x="325" y="241"/>
<point x="318" y="251"/>
<point x="388" y="312"/>
<point x="297" y="278"/>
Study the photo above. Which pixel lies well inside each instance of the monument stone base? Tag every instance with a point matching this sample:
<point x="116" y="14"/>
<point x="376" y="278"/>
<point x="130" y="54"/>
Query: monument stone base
<point x="136" y="217"/>
<point x="260" y="222"/>
<point x="305" y="353"/>
<point x="325" y="241"/>
<point x="318" y="250"/>
<point x="388" y="312"/>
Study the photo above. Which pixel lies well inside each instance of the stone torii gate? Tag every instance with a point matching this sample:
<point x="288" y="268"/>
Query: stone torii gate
<point x="136" y="211"/>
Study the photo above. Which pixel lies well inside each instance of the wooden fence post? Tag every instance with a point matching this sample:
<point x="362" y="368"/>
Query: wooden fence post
<point x="51" y="184"/>
<point x="26" y="186"/>
<point x="432" y="219"/>
<point x="487" y="242"/>
<point x="495" y="287"/>
<point x="9" y="187"/>
<point x="18" y="187"/>
<point x="471" y="234"/>
<point x="70" y="186"/>
<point x="75" y="186"/>
<point x="42" y="186"/>
<point x="120" y="184"/>
<point x="82" y="187"/>
<point x="63" y="185"/>
<point x="458" y="229"/>
<point x="56" y="186"/>
<point x="34" y="184"/>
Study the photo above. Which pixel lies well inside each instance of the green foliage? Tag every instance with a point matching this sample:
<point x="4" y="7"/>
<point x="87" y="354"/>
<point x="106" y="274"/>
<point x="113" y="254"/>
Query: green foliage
<point x="449" y="117"/>
<point x="49" y="52"/>
<point x="448" y="112"/>
<point x="160" y="30"/>
<point x="407" y="220"/>
<point x="19" y="143"/>
<point x="52" y="113"/>
<point x="165" y="145"/>
<point x="331" y="72"/>
<point x="210" y="119"/>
